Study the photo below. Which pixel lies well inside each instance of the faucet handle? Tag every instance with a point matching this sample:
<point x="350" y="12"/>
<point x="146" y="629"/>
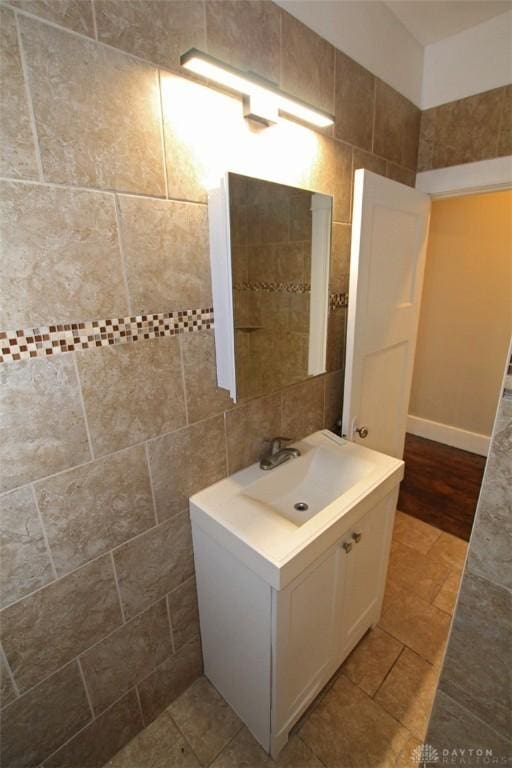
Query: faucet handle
<point x="276" y="443"/>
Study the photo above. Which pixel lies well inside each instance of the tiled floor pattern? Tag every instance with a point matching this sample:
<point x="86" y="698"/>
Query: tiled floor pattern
<point x="372" y="714"/>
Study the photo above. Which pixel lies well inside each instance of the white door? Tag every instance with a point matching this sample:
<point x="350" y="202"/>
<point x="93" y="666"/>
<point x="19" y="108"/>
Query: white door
<point x="389" y="238"/>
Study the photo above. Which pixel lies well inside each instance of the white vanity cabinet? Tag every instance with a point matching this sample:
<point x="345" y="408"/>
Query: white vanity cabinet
<point x="272" y="637"/>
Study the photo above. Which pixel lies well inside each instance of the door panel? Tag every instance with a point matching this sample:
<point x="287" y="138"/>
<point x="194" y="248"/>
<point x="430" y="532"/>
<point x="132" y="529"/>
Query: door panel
<point x="389" y="234"/>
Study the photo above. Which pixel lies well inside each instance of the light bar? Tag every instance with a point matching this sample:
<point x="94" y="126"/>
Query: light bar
<point x="256" y="88"/>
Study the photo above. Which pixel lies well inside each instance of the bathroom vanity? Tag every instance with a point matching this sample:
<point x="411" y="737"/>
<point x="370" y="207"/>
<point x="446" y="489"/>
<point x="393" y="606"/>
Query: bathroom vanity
<point x="291" y="566"/>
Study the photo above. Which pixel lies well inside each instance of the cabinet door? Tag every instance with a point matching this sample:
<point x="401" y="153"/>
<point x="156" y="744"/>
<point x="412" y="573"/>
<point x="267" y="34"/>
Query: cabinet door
<point x="366" y="566"/>
<point x="306" y="623"/>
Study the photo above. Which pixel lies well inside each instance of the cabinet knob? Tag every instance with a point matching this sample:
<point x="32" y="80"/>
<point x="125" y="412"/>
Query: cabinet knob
<point x="357" y="537"/>
<point x="347" y="546"/>
<point x="362" y="432"/>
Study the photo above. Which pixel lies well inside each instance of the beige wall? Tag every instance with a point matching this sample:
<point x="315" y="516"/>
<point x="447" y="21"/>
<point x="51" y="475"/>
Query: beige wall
<point x="466" y="314"/>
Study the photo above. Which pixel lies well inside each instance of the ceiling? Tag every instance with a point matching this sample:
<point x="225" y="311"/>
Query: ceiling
<point x="432" y="20"/>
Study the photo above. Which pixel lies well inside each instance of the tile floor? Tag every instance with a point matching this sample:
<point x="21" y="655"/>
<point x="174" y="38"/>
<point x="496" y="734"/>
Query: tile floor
<point x="374" y="711"/>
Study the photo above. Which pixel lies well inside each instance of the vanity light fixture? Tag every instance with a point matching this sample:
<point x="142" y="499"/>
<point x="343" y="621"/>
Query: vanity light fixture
<point x="263" y="100"/>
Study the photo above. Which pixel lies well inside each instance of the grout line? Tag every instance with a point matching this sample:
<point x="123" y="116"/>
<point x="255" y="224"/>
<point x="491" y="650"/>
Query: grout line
<point x="374" y="115"/>
<point x="100" y="190"/>
<point x="94" y="21"/>
<point x="162" y="135"/>
<point x="226" y="442"/>
<point x="28" y="96"/>
<point x="389" y="671"/>
<point x="137" y="693"/>
<point x="146" y="453"/>
<point x="183" y="379"/>
<point x="10" y="673"/>
<point x="82" y="402"/>
<point x="43" y="529"/>
<point x="122" y="257"/>
<point x="86" y="688"/>
<point x="168" y="606"/>
<point x="123" y="615"/>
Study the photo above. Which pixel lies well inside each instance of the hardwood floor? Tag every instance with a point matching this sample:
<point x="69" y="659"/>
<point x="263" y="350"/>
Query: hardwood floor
<point x="441" y="485"/>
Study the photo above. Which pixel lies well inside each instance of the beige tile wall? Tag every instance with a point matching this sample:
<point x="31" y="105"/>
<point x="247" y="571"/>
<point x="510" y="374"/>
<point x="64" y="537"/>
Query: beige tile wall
<point x="106" y="158"/>
<point x="467" y="130"/>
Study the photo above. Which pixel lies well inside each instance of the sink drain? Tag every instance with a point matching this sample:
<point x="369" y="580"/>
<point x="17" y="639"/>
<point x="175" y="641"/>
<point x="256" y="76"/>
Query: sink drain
<point x="301" y="506"/>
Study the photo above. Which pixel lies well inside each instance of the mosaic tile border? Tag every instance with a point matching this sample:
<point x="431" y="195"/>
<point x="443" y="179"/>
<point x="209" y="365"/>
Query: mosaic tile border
<point x="272" y="287"/>
<point x="56" y="339"/>
<point x="338" y="301"/>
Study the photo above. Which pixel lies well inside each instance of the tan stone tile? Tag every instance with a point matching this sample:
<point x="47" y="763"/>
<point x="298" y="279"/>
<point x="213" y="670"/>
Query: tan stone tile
<point x="245" y="752"/>
<point x="170" y="679"/>
<point x="406" y="758"/>
<point x="408" y="692"/>
<point x="204" y="397"/>
<point x="160" y="745"/>
<point x="108" y="136"/>
<point x="415" y="572"/>
<point x="175" y="471"/>
<point x="167" y="259"/>
<point x="126" y="656"/>
<point x="447" y="595"/>
<point x="154" y="563"/>
<point x="476" y="666"/>
<point x="53" y="625"/>
<point x="100" y="740"/>
<point x="7" y="692"/>
<point x="61" y="256"/>
<point x="449" y="550"/>
<point x="397" y="126"/>
<point x="452" y="726"/>
<point x="248" y="427"/>
<point x="371" y="660"/>
<point x="245" y="34"/>
<point x="184" y="613"/>
<point x="24" y="560"/>
<point x="38" y="723"/>
<point x="72" y="14"/>
<point x="333" y="398"/>
<point x="336" y="339"/>
<point x="400" y="174"/>
<point x="132" y="392"/>
<point x="416" y="623"/>
<point x="91" y="509"/>
<point x="332" y="175"/>
<point x="466" y="130"/>
<point x="505" y="135"/>
<point x="303" y="408"/>
<point x="205" y="720"/>
<point x="159" y="33"/>
<point x="43" y="428"/>
<point x="427" y="139"/>
<point x="17" y="151"/>
<point x="339" y="266"/>
<point x="349" y="729"/>
<point x="414" y="533"/>
<point x="362" y="159"/>
<point x="355" y="99"/>
<point x="307" y="64"/>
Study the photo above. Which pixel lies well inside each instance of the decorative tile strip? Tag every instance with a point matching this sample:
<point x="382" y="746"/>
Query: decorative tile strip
<point x="272" y="287"/>
<point x="56" y="339"/>
<point x="338" y="301"/>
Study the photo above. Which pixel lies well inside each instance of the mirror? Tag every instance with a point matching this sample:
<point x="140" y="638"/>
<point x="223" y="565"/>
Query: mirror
<point x="276" y="304"/>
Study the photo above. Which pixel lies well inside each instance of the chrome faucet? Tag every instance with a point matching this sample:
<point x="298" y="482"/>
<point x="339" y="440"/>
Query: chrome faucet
<point x="277" y="454"/>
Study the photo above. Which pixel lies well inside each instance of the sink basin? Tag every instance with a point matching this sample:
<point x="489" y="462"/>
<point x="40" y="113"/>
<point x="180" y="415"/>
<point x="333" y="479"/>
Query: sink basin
<point x="302" y="487"/>
<point x="253" y="513"/>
